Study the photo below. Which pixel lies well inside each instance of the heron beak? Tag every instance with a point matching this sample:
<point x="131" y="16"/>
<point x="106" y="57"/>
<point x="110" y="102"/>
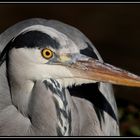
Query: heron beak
<point x="92" y="69"/>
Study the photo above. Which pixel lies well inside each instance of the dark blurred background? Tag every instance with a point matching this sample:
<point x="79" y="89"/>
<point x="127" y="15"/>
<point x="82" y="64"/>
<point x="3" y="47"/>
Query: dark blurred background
<point x="115" y="31"/>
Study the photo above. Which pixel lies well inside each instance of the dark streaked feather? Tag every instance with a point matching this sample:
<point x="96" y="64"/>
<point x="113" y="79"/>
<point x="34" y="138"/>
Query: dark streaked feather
<point x="91" y="93"/>
<point x="63" y="110"/>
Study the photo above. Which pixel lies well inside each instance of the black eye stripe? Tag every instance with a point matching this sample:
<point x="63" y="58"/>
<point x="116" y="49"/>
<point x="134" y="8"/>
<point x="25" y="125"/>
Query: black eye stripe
<point x="89" y="51"/>
<point x="34" y="39"/>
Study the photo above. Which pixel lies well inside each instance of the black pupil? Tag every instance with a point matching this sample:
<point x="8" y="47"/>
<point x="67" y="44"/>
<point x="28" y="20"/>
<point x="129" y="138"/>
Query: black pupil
<point x="47" y="53"/>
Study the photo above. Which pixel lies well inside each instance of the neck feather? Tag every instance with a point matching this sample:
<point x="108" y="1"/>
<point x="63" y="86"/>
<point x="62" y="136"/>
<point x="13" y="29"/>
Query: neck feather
<point x="62" y="109"/>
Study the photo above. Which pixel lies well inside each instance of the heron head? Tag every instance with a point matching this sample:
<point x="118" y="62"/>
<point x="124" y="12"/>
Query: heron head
<point x="41" y="52"/>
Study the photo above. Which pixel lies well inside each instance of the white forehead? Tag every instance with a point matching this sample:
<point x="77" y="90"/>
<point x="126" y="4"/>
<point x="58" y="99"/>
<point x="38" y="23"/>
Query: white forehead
<point x="67" y="44"/>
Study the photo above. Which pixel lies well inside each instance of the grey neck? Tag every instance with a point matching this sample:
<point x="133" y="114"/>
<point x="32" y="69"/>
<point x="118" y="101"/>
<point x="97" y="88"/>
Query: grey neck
<point x="62" y="110"/>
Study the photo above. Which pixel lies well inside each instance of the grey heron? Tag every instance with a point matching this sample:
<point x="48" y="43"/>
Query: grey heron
<point x="53" y="82"/>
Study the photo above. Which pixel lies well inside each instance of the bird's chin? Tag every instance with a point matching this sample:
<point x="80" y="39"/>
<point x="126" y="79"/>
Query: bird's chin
<point x="69" y="82"/>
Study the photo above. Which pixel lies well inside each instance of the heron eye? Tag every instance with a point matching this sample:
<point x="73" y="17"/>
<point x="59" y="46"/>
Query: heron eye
<point x="47" y="53"/>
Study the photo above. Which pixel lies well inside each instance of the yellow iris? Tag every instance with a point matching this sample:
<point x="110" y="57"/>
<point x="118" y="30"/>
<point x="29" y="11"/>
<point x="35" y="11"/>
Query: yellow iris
<point x="47" y="53"/>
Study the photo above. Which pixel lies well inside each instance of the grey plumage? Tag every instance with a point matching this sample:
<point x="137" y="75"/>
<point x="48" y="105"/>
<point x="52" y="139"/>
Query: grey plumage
<point x="41" y="117"/>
